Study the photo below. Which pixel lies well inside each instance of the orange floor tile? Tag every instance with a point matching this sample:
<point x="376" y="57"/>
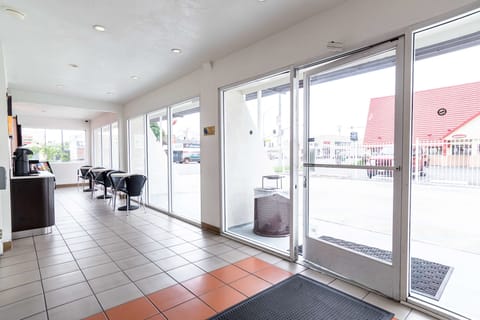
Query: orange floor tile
<point x="194" y="309"/>
<point x="138" y="309"/>
<point x="203" y="284"/>
<point x="273" y="274"/>
<point x="98" y="316"/>
<point x="229" y="273"/>
<point x="170" y="297"/>
<point x="250" y="285"/>
<point x="252" y="264"/>
<point x="222" y="298"/>
<point x="157" y="317"/>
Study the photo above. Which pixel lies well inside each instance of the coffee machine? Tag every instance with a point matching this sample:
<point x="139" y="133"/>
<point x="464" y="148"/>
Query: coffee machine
<point x="21" y="167"/>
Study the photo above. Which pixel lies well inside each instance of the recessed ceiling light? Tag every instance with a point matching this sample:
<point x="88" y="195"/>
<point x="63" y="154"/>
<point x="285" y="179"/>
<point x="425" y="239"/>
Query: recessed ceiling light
<point x="15" y="13"/>
<point x="109" y="93"/>
<point x="176" y="50"/>
<point x="261" y="0"/>
<point x="73" y="65"/>
<point x="99" y="28"/>
<point x="59" y="85"/>
<point x="134" y="77"/>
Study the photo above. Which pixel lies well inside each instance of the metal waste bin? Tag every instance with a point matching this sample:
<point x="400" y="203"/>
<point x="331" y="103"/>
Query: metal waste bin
<point x="271" y="213"/>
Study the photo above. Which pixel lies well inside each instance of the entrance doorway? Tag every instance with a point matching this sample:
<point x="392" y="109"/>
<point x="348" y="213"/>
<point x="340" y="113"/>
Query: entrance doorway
<point x="352" y="172"/>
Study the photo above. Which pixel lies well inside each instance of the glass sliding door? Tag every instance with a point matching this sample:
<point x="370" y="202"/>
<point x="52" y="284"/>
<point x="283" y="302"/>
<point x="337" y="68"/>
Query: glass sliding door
<point x="352" y="154"/>
<point x="256" y="162"/>
<point x="185" y="142"/>
<point x="158" y="151"/>
<point x="444" y="235"/>
<point x="136" y="145"/>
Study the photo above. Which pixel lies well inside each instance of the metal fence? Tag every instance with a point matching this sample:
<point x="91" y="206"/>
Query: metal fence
<point x="450" y="161"/>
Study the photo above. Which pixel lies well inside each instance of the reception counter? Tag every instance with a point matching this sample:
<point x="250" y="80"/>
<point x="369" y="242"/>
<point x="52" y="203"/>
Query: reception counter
<point x="33" y="205"/>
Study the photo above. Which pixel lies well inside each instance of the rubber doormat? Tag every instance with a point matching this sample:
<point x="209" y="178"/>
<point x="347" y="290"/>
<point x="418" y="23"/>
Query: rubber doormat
<point x="299" y="297"/>
<point x="427" y="278"/>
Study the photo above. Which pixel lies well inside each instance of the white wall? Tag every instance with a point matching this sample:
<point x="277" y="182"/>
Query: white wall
<point x="355" y="23"/>
<point x="5" y="218"/>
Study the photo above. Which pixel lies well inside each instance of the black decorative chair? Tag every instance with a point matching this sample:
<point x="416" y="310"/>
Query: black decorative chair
<point x="115" y="182"/>
<point x="82" y="174"/>
<point x="101" y="179"/>
<point x="132" y="186"/>
<point x="91" y="177"/>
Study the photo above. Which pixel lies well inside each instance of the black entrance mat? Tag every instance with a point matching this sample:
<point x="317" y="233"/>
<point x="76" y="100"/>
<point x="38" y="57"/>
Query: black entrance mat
<point x="299" y="297"/>
<point x="427" y="278"/>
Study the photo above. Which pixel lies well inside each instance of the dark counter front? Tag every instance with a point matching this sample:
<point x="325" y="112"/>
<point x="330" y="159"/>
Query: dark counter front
<point x="33" y="205"/>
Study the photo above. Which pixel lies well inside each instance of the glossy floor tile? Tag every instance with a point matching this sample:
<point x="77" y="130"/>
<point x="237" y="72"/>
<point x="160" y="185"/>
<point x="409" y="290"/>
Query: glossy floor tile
<point x="103" y="265"/>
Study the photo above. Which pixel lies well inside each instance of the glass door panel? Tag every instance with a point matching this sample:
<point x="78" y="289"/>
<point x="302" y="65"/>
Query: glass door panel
<point x="256" y="133"/>
<point x="158" y="159"/>
<point x="444" y="235"/>
<point x="352" y="167"/>
<point x="185" y="134"/>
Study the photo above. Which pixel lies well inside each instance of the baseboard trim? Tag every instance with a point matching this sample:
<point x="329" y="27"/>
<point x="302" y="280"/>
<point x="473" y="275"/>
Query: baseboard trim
<point x="210" y="228"/>
<point x="68" y="185"/>
<point x="7" y="246"/>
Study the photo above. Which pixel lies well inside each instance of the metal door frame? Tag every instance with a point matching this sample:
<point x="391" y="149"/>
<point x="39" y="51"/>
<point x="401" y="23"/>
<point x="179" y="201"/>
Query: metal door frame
<point x="381" y="276"/>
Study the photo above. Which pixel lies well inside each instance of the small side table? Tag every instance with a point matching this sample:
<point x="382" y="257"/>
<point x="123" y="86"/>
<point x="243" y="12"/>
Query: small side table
<point x="274" y="177"/>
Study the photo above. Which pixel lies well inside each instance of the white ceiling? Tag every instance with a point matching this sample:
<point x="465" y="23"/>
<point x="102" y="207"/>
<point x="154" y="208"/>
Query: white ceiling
<point x="138" y="39"/>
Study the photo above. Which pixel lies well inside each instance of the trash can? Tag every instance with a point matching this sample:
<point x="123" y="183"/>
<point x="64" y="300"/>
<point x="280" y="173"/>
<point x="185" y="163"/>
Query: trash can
<point x="271" y="213"/>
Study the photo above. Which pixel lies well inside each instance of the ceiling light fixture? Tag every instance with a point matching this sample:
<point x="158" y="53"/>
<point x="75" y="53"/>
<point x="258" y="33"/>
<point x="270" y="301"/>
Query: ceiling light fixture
<point x="99" y="28"/>
<point x="59" y="85"/>
<point x="134" y="77"/>
<point x="73" y="65"/>
<point x="176" y="50"/>
<point x="15" y="13"/>
<point x="109" y="93"/>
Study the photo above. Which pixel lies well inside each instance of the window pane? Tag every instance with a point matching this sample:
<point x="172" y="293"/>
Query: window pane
<point x="106" y="147"/>
<point x="158" y="159"/>
<point x="115" y="153"/>
<point x="53" y="150"/>
<point x="257" y="157"/>
<point x="97" y="142"/>
<point x="74" y="144"/>
<point x="34" y="139"/>
<point x="137" y="145"/>
<point x="186" y="160"/>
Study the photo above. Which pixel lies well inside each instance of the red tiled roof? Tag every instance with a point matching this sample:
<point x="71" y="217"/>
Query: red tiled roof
<point x="462" y="103"/>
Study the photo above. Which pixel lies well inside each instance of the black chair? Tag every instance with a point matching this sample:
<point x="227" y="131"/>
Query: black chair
<point x="82" y="174"/>
<point x="101" y="179"/>
<point x="115" y="185"/>
<point x="132" y="187"/>
<point x="91" y="179"/>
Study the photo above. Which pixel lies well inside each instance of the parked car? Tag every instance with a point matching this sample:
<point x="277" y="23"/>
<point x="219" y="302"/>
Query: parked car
<point x="188" y="153"/>
<point x="384" y="158"/>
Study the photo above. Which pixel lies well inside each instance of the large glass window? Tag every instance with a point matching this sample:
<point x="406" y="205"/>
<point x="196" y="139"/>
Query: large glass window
<point x="158" y="154"/>
<point x="55" y="145"/>
<point x="185" y="143"/>
<point x="136" y="144"/>
<point x="444" y="235"/>
<point x="106" y="147"/>
<point x="115" y="147"/>
<point x="106" y="151"/>
<point x="97" y="150"/>
<point x="257" y="161"/>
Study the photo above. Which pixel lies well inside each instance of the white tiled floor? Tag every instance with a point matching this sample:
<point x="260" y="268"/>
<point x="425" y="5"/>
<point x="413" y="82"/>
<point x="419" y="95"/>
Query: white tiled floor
<point x="96" y="259"/>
